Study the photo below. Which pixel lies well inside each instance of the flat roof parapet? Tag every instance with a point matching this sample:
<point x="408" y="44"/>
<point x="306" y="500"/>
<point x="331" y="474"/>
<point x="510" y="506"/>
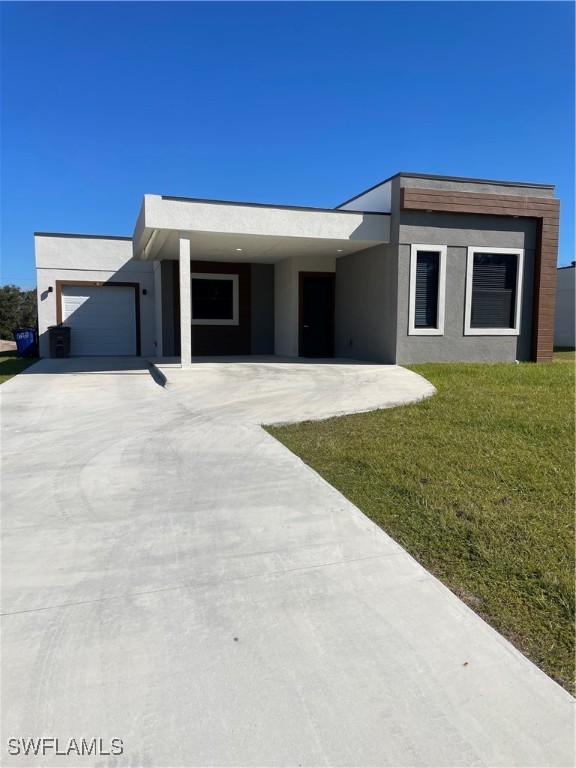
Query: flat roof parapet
<point x="75" y="235"/>
<point x="266" y="205"/>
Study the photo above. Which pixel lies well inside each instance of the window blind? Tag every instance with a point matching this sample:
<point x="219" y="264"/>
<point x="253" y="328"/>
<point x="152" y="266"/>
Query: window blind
<point x="426" y="303"/>
<point x="493" y="290"/>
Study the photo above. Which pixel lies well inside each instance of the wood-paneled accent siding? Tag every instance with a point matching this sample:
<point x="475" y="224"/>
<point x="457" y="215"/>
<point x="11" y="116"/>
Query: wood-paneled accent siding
<point x="546" y="210"/>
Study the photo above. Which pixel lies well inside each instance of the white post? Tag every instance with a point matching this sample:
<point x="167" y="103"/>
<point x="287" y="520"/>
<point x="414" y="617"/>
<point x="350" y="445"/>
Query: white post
<point x="158" y="307"/>
<point x="185" y="303"/>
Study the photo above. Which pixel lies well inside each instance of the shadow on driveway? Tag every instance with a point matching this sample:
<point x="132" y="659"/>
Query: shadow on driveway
<point x="88" y="365"/>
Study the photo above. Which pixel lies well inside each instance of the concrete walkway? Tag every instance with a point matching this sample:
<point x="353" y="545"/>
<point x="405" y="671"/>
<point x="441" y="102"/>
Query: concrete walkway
<point x="175" y="578"/>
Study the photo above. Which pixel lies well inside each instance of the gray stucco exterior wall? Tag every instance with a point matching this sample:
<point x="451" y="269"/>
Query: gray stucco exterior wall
<point x="458" y="231"/>
<point x="365" y="327"/>
<point x="262" y="310"/>
<point x="167" y="276"/>
<point x="486" y="188"/>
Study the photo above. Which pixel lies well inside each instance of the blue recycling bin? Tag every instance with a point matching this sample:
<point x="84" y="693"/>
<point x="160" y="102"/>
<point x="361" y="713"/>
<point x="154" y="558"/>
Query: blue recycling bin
<point x="25" y="339"/>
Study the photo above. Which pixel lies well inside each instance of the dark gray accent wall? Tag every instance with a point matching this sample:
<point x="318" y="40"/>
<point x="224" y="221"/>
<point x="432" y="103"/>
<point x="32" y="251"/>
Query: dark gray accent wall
<point x="167" y="277"/>
<point x="458" y="231"/>
<point x="483" y="187"/>
<point x="262" y="309"/>
<point x="365" y="326"/>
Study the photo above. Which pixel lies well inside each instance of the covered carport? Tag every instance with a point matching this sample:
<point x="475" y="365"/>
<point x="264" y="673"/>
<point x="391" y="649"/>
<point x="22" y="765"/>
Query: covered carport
<point x="237" y="270"/>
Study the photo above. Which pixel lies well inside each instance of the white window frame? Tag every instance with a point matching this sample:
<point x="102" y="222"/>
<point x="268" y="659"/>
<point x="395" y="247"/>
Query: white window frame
<point x="234" y="320"/>
<point x="443" y="251"/>
<point x="515" y="331"/>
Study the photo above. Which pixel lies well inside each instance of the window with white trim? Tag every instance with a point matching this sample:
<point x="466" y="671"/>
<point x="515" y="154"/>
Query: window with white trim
<point x="214" y="299"/>
<point x="493" y="291"/>
<point x="427" y="290"/>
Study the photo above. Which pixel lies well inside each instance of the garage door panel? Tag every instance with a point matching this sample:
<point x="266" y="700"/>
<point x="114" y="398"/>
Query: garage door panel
<point x="110" y="319"/>
<point x="94" y="343"/>
<point x="102" y="319"/>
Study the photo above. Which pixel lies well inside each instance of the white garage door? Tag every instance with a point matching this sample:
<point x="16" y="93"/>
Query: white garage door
<point x="102" y="319"/>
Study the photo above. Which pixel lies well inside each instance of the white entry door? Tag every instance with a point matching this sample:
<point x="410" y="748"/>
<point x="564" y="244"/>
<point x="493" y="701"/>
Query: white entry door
<point x="102" y="319"/>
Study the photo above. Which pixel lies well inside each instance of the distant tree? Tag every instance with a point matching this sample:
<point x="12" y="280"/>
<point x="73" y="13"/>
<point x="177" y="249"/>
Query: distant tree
<point x="29" y="309"/>
<point x="10" y="302"/>
<point x="17" y="309"/>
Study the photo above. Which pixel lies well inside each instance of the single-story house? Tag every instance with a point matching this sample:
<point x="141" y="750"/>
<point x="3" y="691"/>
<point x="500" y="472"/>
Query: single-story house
<point x="418" y="268"/>
<point x="565" y="326"/>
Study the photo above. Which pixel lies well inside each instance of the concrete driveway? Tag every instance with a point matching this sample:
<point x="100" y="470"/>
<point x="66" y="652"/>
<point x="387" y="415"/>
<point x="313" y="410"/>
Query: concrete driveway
<point x="174" y="578"/>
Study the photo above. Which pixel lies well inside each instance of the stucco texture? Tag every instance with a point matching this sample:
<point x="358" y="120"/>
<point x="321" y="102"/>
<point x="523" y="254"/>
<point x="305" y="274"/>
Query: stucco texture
<point x="91" y="259"/>
<point x="365" y="304"/>
<point x="458" y="232"/>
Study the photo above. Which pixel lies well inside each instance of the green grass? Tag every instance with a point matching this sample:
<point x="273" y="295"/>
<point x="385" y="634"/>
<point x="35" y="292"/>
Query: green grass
<point x="561" y="354"/>
<point x="477" y="483"/>
<point x="11" y="364"/>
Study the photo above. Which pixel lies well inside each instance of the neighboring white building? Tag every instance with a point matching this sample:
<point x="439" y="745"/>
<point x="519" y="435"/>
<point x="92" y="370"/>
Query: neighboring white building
<point x="565" y="324"/>
<point x="417" y="269"/>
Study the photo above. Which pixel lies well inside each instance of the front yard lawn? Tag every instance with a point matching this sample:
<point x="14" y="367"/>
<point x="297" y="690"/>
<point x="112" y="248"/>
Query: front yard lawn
<point x="477" y="483"/>
<point x="11" y="364"/>
<point x="562" y="354"/>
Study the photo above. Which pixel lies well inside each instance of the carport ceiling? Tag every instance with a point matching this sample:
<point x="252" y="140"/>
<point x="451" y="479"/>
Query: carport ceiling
<point x="268" y="249"/>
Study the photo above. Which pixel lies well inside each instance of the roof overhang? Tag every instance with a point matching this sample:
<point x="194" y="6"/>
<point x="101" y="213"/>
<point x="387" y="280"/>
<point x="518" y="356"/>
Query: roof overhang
<point x="222" y="231"/>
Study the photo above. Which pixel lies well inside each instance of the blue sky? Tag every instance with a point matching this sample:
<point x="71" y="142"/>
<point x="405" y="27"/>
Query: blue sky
<point x="294" y="103"/>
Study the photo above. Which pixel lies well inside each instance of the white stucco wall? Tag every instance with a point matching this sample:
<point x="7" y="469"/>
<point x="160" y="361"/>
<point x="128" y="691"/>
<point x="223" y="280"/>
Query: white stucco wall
<point x="72" y="252"/>
<point x="378" y="200"/>
<point x="159" y="216"/>
<point x="230" y="218"/>
<point x="158" y="307"/>
<point x="286" y="286"/>
<point x="283" y="311"/>
<point x="91" y="259"/>
<point x="564" y="326"/>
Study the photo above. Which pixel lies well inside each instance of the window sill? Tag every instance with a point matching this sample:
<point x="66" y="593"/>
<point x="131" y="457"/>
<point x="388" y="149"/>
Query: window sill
<point x="491" y="332"/>
<point x="425" y="332"/>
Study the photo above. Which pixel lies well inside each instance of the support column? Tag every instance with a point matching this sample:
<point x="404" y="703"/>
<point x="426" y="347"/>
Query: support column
<point x="158" y="308"/>
<point x="185" y="302"/>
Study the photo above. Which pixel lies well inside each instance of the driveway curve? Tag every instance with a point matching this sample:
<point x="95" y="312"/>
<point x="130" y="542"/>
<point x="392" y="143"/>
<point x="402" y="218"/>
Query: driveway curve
<point x="175" y="578"/>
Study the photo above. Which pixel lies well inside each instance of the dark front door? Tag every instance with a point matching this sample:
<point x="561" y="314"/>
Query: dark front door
<point x="316" y="314"/>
